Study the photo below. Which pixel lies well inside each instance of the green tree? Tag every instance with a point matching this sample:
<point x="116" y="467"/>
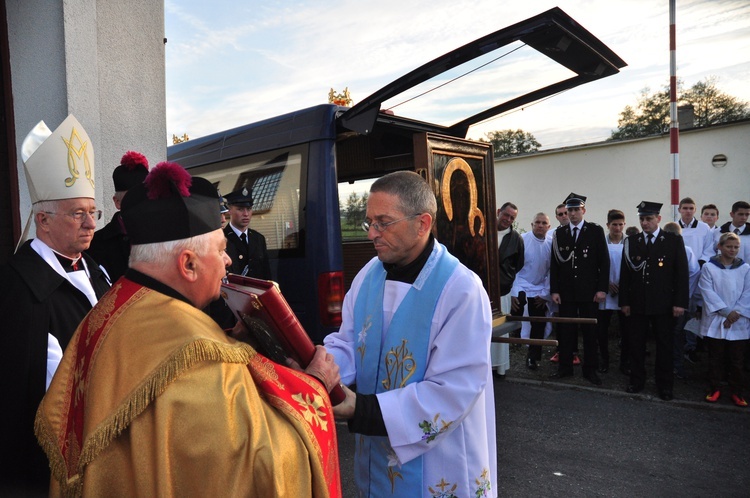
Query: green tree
<point x="650" y="116"/>
<point x="356" y="206"/>
<point x="511" y="142"/>
<point x="711" y="106"/>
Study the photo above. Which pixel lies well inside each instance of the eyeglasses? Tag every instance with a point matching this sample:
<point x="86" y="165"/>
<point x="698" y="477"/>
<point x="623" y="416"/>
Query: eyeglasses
<point x="380" y="227"/>
<point x="80" y="216"/>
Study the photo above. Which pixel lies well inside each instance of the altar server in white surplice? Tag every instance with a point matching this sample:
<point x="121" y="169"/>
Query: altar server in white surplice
<point x="530" y="292"/>
<point x="415" y="338"/>
<point x="725" y="287"/>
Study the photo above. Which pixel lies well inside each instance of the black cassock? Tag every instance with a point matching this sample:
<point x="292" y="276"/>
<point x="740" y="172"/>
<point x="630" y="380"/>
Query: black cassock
<point x="34" y="301"/>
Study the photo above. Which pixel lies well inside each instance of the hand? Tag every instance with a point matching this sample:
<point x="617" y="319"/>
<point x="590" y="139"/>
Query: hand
<point x="240" y="332"/>
<point x="556" y="298"/>
<point x="625" y="310"/>
<point x="323" y="368"/>
<point x="539" y="302"/>
<point x="614" y="288"/>
<point x="515" y="304"/>
<point x="726" y="324"/>
<point x="345" y="409"/>
<point x="600" y="296"/>
<point x="677" y="311"/>
<point x="733" y="317"/>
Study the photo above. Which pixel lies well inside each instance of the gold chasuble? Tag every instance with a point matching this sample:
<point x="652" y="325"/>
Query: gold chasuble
<point x="152" y="399"/>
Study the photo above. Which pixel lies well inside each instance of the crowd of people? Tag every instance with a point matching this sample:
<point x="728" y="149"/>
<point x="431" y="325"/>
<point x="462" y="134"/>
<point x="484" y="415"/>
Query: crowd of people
<point x="681" y="284"/>
<point x="127" y="377"/>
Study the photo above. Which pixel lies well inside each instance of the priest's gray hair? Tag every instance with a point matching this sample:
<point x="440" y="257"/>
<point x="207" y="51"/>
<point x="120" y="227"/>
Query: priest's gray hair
<point x="44" y="206"/>
<point x="163" y="253"/>
<point x="415" y="195"/>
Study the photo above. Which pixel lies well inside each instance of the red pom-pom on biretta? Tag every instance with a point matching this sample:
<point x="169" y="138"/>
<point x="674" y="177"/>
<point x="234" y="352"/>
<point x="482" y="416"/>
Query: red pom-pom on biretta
<point x="132" y="160"/>
<point x="165" y="178"/>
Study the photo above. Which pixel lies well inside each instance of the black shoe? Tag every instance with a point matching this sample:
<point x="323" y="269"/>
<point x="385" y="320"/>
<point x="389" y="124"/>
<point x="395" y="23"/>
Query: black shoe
<point x="625" y="370"/>
<point x="561" y="374"/>
<point x="633" y="389"/>
<point x="531" y="364"/>
<point x="593" y="378"/>
<point x="666" y="395"/>
<point x="692" y="356"/>
<point x="603" y="367"/>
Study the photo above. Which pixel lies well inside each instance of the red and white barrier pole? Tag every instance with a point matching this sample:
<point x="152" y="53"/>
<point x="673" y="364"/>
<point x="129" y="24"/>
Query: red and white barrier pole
<point x="674" y="126"/>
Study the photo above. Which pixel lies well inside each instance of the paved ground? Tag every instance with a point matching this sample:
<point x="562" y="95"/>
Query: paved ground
<point x="571" y="438"/>
<point x="693" y="388"/>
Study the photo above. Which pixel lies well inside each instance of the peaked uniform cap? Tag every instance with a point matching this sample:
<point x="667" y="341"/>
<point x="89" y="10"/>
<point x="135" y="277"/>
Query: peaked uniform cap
<point x="59" y="164"/>
<point x="242" y="197"/>
<point x="646" y="208"/>
<point x="575" y="200"/>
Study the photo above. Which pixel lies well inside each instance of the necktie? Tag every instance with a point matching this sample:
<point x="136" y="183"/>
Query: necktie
<point x="650" y="240"/>
<point x="243" y="238"/>
<point x="575" y="234"/>
<point x="737" y="231"/>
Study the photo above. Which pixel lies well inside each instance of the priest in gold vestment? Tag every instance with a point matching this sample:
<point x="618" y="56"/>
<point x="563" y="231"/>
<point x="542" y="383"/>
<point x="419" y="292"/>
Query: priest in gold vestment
<point x="153" y="399"/>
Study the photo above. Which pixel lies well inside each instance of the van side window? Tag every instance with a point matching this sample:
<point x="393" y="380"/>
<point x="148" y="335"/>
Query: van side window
<point x="275" y="178"/>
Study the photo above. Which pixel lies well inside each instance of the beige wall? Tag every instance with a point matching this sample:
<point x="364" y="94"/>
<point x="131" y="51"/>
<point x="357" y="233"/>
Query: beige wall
<point x="621" y="174"/>
<point x="100" y="60"/>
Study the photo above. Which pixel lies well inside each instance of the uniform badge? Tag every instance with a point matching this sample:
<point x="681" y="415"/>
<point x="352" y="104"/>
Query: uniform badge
<point x="241" y="256"/>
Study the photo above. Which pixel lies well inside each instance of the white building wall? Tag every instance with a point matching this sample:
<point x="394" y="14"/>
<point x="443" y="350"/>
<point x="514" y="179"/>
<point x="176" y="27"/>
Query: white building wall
<point x="618" y="175"/>
<point x="100" y="60"/>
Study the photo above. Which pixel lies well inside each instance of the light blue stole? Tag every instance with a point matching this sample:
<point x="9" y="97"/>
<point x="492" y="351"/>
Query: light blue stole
<point x="401" y="360"/>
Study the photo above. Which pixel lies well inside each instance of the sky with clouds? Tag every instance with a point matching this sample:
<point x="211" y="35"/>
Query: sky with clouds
<point x="233" y="62"/>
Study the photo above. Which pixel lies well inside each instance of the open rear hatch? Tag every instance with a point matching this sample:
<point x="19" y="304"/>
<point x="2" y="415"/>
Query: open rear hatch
<point x="554" y="34"/>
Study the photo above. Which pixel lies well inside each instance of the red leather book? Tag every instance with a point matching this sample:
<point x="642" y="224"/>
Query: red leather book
<point x="274" y="329"/>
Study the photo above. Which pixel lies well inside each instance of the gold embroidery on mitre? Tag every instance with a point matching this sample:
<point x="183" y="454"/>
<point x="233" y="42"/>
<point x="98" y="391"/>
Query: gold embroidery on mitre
<point x="312" y="408"/>
<point x="77" y="151"/>
<point x="399" y="367"/>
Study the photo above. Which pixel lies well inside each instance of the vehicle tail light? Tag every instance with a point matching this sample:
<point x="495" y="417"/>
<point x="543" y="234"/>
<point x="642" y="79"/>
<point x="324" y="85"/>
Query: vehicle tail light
<point x="331" y="297"/>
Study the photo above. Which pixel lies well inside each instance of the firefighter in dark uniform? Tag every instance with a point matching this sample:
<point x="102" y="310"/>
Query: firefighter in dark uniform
<point x="653" y="292"/>
<point x="579" y="281"/>
<point x="245" y="246"/>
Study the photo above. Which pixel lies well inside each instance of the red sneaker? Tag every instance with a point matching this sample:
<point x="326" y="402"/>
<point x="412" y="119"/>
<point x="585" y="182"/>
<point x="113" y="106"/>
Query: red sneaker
<point x="714" y="397"/>
<point x="739" y="400"/>
<point x="555" y="358"/>
<point x="576" y="360"/>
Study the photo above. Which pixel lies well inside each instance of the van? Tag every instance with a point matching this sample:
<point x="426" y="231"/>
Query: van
<point x="310" y="170"/>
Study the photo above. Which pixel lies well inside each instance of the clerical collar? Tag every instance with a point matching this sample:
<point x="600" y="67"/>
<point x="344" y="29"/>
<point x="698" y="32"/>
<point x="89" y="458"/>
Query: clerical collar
<point x="155" y="285"/>
<point x="68" y="264"/>
<point x="409" y="272"/>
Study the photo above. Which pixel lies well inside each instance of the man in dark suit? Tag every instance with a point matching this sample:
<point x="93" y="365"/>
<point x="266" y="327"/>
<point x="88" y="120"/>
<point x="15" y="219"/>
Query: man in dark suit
<point x="653" y="291"/>
<point x="510" y="251"/>
<point x="111" y="245"/>
<point x="245" y="246"/>
<point x="579" y="281"/>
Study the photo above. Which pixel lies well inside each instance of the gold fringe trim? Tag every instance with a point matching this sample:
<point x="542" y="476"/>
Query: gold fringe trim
<point x="155" y="384"/>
